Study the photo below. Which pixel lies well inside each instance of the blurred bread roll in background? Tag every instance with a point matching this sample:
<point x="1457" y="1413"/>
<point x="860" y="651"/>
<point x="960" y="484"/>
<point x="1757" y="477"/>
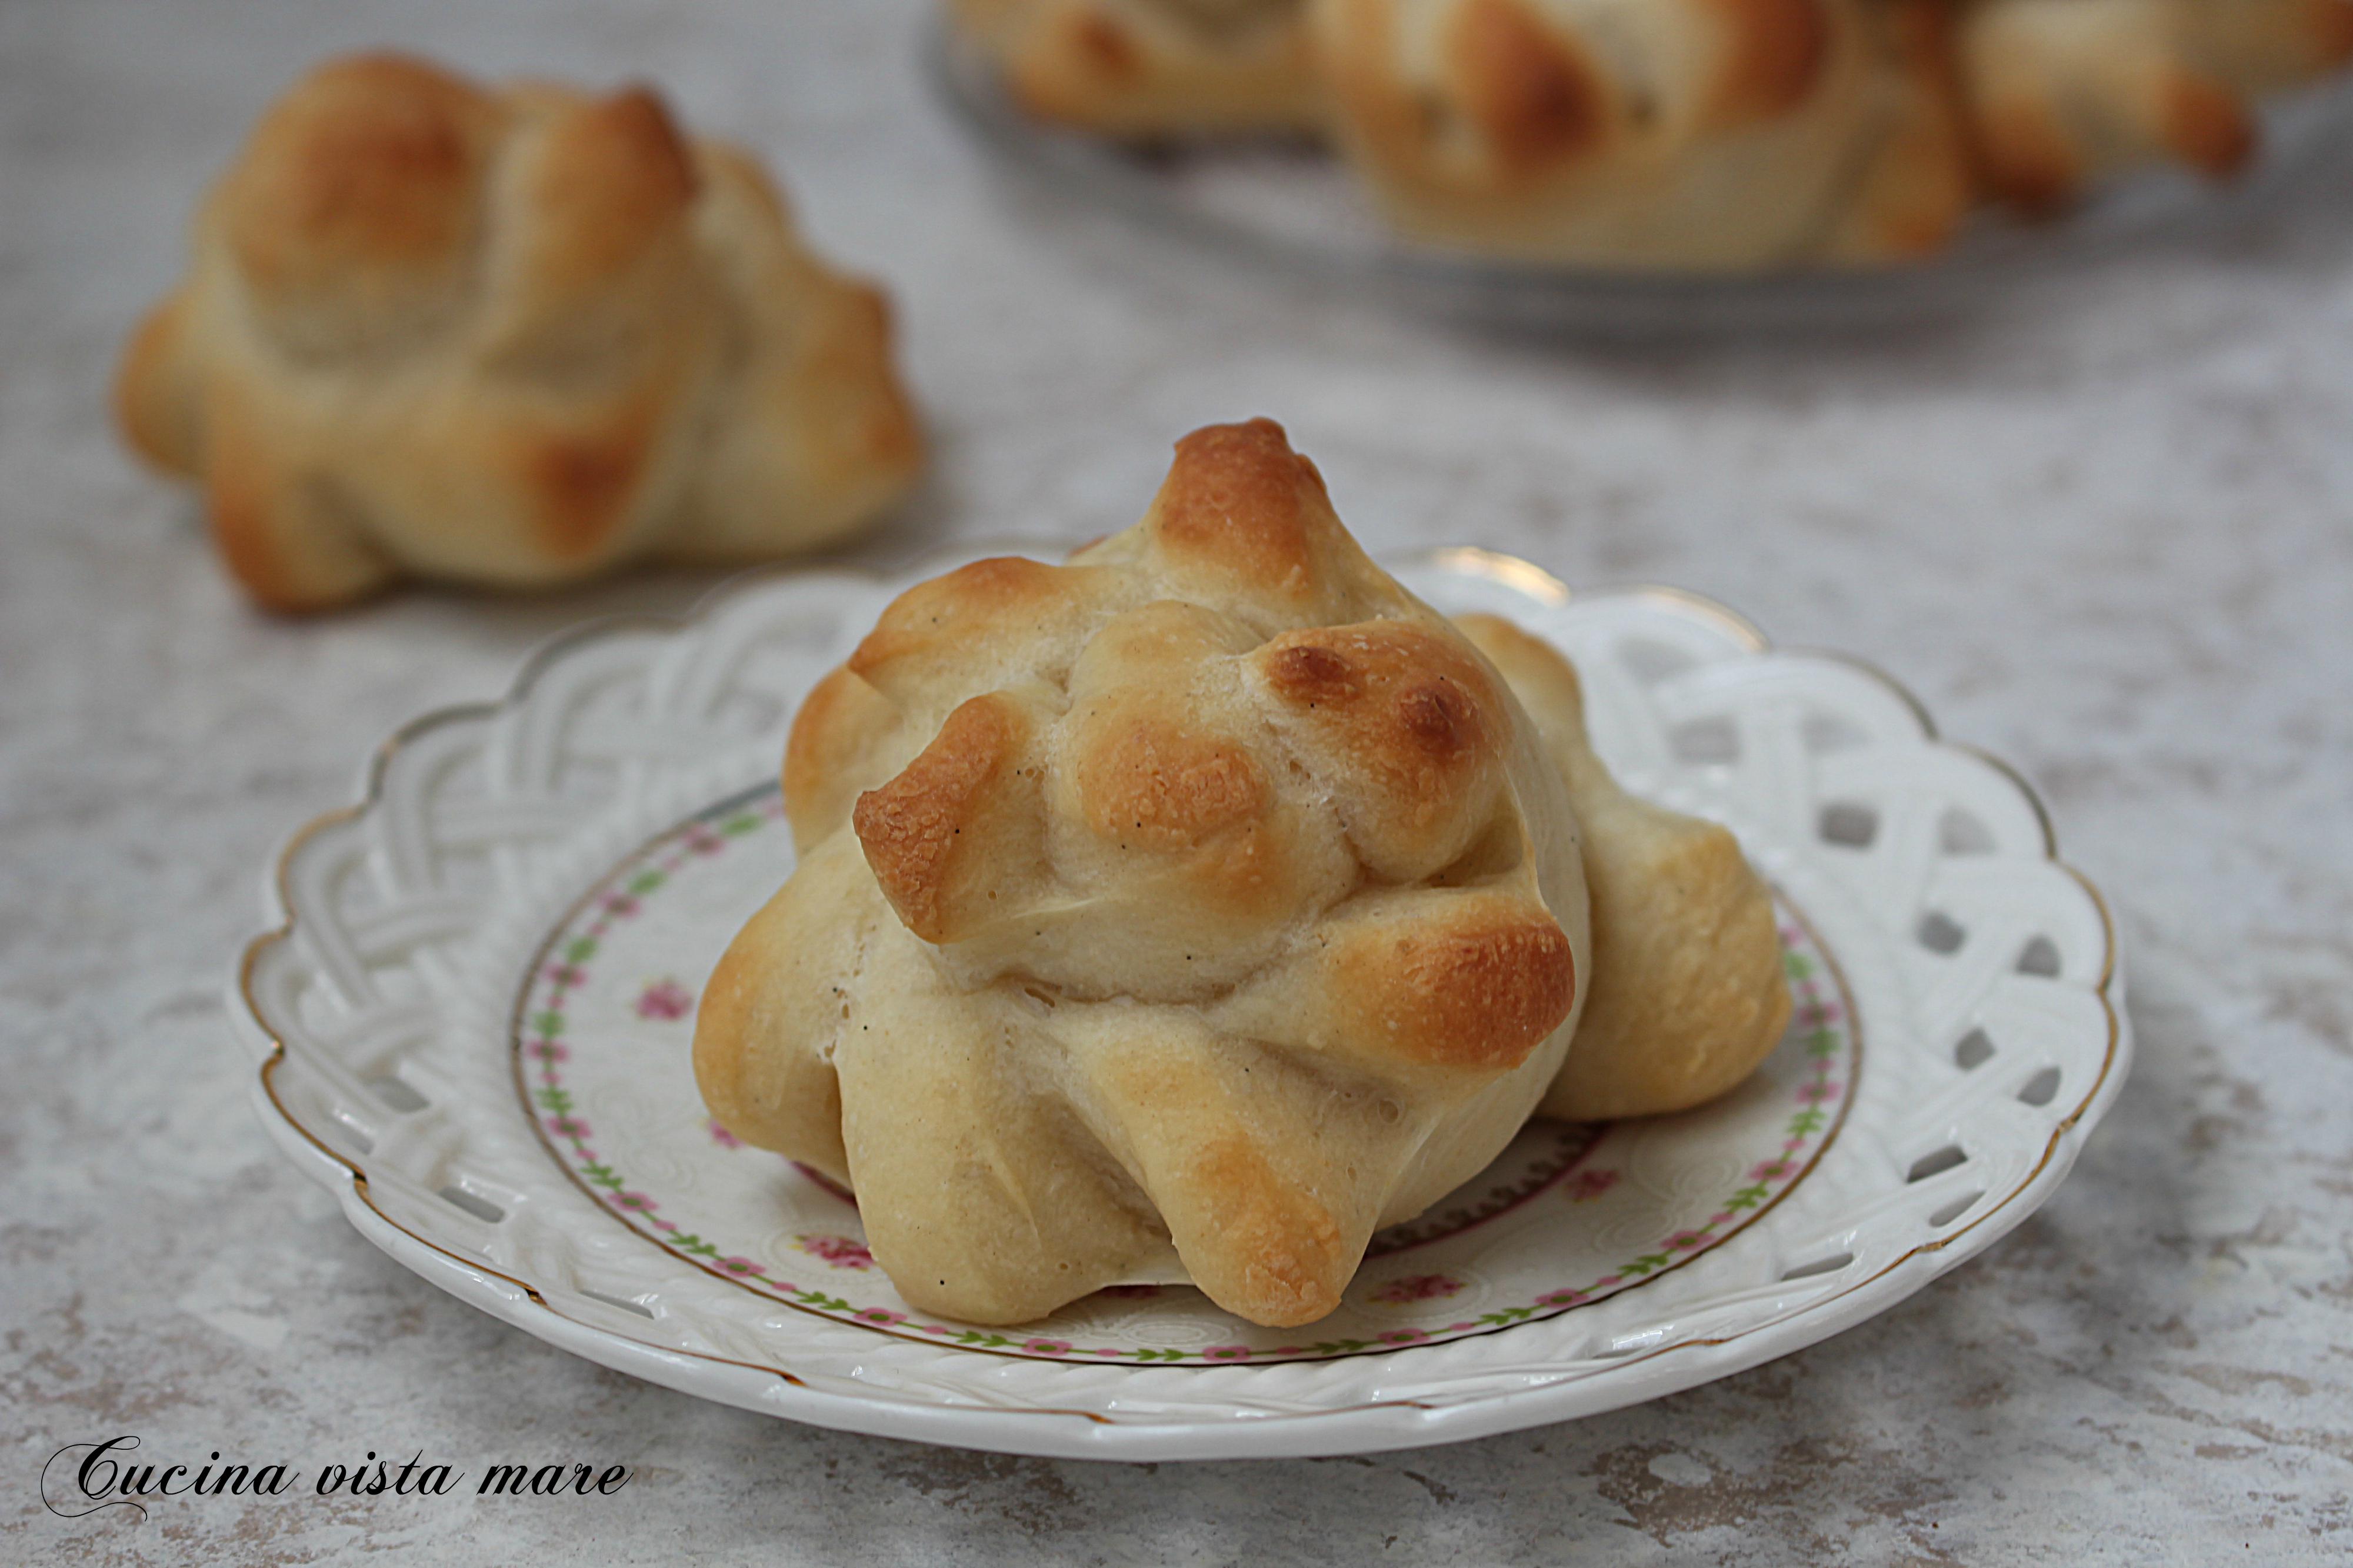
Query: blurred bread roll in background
<point x="1697" y="134"/>
<point x="1149" y="67"/>
<point x="514" y="336"/>
<point x="1687" y="135"/>
<point x="2066" y="93"/>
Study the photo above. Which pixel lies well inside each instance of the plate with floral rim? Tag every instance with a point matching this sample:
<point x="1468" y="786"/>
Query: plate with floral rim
<point x="471" y="1020"/>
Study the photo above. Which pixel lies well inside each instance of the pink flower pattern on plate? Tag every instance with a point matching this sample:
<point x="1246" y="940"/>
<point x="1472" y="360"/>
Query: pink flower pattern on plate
<point x="1586" y="1186"/>
<point x="1417" y="1288"/>
<point x="665" y="1000"/>
<point x="841" y="1251"/>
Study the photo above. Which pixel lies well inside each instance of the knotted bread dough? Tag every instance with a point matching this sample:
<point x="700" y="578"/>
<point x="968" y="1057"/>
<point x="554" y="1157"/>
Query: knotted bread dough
<point x="1208" y="891"/>
<point x="514" y="337"/>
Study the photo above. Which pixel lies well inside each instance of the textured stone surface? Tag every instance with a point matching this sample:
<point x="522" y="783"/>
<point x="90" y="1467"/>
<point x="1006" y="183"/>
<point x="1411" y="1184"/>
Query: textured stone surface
<point x="2104" y="533"/>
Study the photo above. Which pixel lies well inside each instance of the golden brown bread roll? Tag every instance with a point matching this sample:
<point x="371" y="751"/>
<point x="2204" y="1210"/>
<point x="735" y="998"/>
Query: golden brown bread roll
<point x="1207" y="892"/>
<point x="1153" y="67"/>
<point x="513" y="336"/>
<point x="1688" y="996"/>
<point x="2065" y="93"/>
<point x="1687" y="134"/>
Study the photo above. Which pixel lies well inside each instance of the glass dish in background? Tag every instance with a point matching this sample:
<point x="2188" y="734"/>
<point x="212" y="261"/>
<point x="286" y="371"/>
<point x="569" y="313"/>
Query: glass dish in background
<point x="1293" y="206"/>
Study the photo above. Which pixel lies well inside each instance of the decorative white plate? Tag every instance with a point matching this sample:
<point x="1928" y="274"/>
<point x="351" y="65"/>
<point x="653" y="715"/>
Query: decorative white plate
<point x="474" y="1025"/>
<point x="1288" y="205"/>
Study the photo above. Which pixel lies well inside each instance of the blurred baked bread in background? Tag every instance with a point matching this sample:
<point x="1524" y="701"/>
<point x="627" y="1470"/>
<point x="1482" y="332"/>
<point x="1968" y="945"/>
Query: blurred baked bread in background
<point x="2066" y="93"/>
<point x="1147" y="67"/>
<point x="1692" y="136"/>
<point x="513" y="336"/>
<point x="1699" y="135"/>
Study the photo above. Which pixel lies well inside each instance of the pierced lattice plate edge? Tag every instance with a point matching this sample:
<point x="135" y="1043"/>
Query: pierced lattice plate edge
<point x="1408" y="1409"/>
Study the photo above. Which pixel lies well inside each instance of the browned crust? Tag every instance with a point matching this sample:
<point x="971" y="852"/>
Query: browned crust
<point x="1716" y="1005"/>
<point x="1778" y="51"/>
<point x="1478" y="989"/>
<point x="1150" y="70"/>
<point x="1538" y="102"/>
<point x="773" y="1093"/>
<point x="243" y="494"/>
<point x="1104" y="49"/>
<point x="1942" y="174"/>
<point x="1260" y="1245"/>
<point x="1406" y="703"/>
<point x="613" y="180"/>
<point x="370" y="163"/>
<point x="877" y="432"/>
<point x="1685" y="994"/>
<point x="913" y="827"/>
<point x="1284" y="1259"/>
<point x="951" y="610"/>
<point x="2027" y="159"/>
<point x="833" y="742"/>
<point x="1526" y="660"/>
<point x="275" y="528"/>
<point x="578" y="342"/>
<point x="2207" y="126"/>
<point x="1159" y="786"/>
<point x="1237" y="498"/>
<point x="584" y="486"/>
<point x="2330" y="25"/>
<point x="154" y="405"/>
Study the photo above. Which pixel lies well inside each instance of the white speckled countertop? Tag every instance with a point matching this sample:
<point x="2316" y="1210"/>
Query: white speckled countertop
<point x="2107" y="532"/>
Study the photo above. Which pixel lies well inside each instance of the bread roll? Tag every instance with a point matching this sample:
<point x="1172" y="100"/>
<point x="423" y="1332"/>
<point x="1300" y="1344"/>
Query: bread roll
<point x="513" y="337"/>
<point x="1670" y="134"/>
<point x="1208" y="894"/>
<point x="2063" y="94"/>
<point x="1148" y="69"/>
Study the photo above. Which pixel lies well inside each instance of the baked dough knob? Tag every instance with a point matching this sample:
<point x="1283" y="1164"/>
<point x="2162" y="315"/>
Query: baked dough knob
<point x="513" y="336"/>
<point x="1688" y="991"/>
<point x="1684" y="134"/>
<point x="2064" y="94"/>
<point x="1147" y="69"/>
<point x="1208" y="894"/>
<point x="1920" y="183"/>
<point x="2262" y="45"/>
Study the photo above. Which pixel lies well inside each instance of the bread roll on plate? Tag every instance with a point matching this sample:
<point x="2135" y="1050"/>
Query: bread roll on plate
<point x="1676" y="135"/>
<point x="1688" y="996"/>
<point x="1208" y="899"/>
<point x="1145" y="68"/>
<point x="2066" y="93"/>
